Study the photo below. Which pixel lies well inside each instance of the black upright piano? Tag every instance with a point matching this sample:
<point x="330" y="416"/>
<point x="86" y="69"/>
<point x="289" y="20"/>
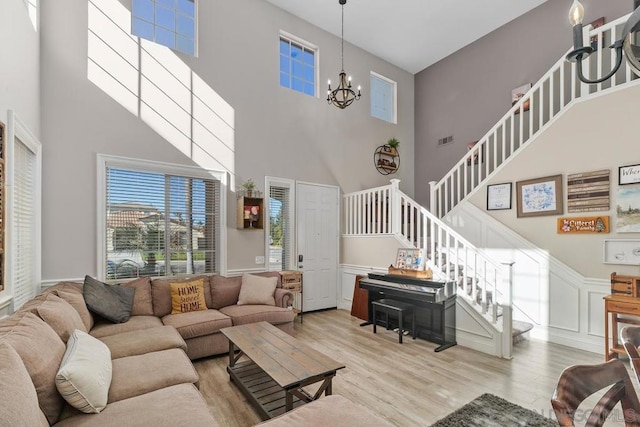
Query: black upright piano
<point x="435" y="304"/>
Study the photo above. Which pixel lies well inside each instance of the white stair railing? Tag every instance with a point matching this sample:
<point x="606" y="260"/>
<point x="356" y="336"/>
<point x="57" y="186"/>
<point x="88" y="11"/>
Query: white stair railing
<point x="550" y="96"/>
<point x="481" y="281"/>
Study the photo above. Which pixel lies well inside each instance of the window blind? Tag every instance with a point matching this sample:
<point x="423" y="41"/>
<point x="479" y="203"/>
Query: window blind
<point x="280" y="228"/>
<point x="159" y="224"/>
<point x="24" y="278"/>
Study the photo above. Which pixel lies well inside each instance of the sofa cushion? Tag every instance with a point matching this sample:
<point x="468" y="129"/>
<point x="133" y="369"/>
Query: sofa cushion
<point x="187" y="296"/>
<point x="244" y="314"/>
<point x="77" y="301"/>
<point x="111" y="302"/>
<point x="41" y="351"/>
<point x="58" y="314"/>
<point x="257" y="290"/>
<point x="16" y="385"/>
<point x="142" y="302"/>
<point x="143" y="341"/>
<point x="161" y="293"/>
<point x="225" y="290"/>
<point x="136" y="375"/>
<point x="197" y="323"/>
<point x="84" y="376"/>
<point x="104" y="328"/>
<point x="179" y="405"/>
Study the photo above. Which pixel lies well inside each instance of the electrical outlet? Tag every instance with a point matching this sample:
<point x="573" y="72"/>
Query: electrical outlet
<point x="259" y="260"/>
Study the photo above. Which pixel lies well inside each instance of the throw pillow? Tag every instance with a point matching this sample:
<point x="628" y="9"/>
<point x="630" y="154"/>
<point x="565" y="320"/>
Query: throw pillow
<point x="112" y="302"/>
<point x="142" y="303"/>
<point x="257" y="290"/>
<point x="60" y="315"/>
<point x="84" y="376"/>
<point x="187" y="296"/>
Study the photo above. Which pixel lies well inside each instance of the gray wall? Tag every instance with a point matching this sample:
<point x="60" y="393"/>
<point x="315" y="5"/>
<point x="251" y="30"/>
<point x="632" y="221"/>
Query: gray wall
<point x="276" y="131"/>
<point x="465" y="94"/>
<point x="19" y="66"/>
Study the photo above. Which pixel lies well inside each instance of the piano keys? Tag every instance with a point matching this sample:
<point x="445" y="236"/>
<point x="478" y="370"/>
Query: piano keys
<point x="435" y="304"/>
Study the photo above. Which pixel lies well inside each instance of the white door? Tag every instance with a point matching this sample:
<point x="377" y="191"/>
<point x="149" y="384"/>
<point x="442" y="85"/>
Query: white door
<point x="317" y="231"/>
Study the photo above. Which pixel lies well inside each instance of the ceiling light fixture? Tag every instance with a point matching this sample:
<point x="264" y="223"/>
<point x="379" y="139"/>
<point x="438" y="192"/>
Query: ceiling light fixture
<point x="627" y="43"/>
<point x="343" y="95"/>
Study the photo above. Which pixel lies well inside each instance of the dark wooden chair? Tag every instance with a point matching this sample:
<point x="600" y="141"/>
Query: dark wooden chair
<point x="630" y="337"/>
<point x="578" y="382"/>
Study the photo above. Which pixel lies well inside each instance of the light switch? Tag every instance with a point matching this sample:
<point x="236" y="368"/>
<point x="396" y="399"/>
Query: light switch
<point x="259" y="260"/>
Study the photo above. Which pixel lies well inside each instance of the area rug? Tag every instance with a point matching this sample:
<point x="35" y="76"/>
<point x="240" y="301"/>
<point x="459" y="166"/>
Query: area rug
<point x="489" y="410"/>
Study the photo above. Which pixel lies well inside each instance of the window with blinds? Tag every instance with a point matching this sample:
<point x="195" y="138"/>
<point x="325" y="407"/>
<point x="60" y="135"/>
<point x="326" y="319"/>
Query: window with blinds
<point x="24" y="277"/>
<point x="160" y="224"/>
<point x="383" y="98"/>
<point x="280" y="227"/>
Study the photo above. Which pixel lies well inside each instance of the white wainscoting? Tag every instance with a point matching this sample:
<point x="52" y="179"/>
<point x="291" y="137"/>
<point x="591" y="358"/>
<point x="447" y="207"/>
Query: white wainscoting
<point x="564" y="306"/>
<point x="348" y="275"/>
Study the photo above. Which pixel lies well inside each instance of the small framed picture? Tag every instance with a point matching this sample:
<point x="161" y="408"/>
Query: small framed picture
<point x="499" y="197"/>
<point x="410" y="259"/>
<point x="629" y="174"/>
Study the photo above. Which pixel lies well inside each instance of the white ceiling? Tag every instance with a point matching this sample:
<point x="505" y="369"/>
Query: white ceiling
<point x="411" y="34"/>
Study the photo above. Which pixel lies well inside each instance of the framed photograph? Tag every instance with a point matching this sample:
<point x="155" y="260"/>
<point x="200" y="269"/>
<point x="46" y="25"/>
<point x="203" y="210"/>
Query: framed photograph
<point x="409" y="259"/>
<point x="629" y="174"/>
<point x="540" y="196"/>
<point x="622" y="251"/>
<point x="628" y="210"/>
<point x="499" y="197"/>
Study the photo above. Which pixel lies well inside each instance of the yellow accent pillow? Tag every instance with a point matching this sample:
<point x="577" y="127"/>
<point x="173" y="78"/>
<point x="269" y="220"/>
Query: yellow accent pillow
<point x="187" y="296"/>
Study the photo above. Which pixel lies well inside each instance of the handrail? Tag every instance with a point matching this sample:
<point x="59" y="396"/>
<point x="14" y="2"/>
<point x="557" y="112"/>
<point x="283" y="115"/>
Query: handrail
<point x="552" y="94"/>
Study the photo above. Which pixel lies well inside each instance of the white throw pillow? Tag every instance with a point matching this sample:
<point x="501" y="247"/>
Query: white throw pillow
<point x="84" y="376"/>
<point x="257" y="290"/>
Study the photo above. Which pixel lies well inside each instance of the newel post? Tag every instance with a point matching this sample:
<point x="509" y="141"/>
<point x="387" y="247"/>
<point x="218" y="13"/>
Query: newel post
<point x="432" y="197"/>
<point x="507" y="310"/>
<point x="395" y="206"/>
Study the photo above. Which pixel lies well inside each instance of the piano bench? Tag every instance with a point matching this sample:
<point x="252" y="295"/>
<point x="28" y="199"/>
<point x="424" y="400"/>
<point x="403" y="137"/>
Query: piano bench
<point x="399" y="308"/>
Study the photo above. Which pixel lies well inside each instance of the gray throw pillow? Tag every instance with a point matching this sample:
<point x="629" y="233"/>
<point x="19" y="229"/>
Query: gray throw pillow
<point x="112" y="302"/>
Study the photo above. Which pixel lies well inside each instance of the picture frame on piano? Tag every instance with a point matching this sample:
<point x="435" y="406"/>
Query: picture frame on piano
<point x="410" y="259"/>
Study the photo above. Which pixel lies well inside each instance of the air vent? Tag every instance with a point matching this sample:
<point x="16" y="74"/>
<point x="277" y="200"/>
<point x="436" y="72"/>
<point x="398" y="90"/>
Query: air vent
<point x="446" y="140"/>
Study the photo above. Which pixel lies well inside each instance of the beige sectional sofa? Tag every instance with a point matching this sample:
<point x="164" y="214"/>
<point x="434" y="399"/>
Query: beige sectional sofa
<point x="152" y="382"/>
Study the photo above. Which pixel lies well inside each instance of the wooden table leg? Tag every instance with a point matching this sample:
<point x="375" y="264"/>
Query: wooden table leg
<point x="288" y="397"/>
<point x="232" y="350"/>
<point x="606" y="334"/>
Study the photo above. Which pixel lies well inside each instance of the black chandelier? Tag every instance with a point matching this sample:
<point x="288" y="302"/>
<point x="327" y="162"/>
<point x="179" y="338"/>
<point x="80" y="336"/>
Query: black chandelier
<point x="627" y="43"/>
<point x="343" y="95"/>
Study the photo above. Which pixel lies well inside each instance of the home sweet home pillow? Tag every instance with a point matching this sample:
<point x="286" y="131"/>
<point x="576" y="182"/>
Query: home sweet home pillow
<point x="187" y="296"/>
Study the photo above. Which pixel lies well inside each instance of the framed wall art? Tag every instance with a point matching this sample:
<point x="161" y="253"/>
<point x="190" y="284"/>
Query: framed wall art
<point x="629" y="175"/>
<point x="622" y="251"/>
<point x="628" y="210"/>
<point x="409" y="259"/>
<point x="499" y="197"/>
<point x="540" y="196"/>
<point x="588" y="191"/>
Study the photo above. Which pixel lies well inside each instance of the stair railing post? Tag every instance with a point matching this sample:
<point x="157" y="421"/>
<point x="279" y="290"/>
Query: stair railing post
<point x="507" y="311"/>
<point x="396" y="210"/>
<point x="432" y="198"/>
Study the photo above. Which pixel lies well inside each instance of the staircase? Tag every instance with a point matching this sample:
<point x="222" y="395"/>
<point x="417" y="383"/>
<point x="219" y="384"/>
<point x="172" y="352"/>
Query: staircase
<point x="546" y="101"/>
<point x="484" y="285"/>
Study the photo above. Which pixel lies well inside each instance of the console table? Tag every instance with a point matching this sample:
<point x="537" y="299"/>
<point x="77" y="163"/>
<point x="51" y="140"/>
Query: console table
<point x="617" y="305"/>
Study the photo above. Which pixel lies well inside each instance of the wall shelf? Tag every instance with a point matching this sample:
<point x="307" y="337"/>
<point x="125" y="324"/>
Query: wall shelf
<point x="250" y="213"/>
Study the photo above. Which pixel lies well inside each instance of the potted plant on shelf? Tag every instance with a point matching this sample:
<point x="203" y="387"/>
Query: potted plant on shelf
<point x="248" y="187"/>
<point x="393" y="146"/>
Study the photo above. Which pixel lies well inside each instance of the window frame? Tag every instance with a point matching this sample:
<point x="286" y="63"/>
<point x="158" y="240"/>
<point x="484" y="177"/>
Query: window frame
<point x="104" y="161"/>
<point x="394" y="101"/>
<point x="316" y="65"/>
<point x="174" y="31"/>
<point x="269" y="182"/>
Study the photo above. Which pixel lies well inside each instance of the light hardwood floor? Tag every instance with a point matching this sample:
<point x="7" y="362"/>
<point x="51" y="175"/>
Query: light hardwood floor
<point x="408" y="384"/>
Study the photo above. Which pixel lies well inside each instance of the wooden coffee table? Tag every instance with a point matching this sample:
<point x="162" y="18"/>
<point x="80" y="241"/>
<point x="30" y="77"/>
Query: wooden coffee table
<point x="278" y="368"/>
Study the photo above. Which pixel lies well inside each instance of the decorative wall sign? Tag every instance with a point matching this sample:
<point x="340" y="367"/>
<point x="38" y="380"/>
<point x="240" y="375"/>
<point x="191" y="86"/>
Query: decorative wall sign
<point x="499" y="197"/>
<point x="629" y="174"/>
<point x="622" y="252"/>
<point x="583" y="224"/>
<point x="628" y="210"/>
<point x="588" y="191"/>
<point x="540" y="196"/>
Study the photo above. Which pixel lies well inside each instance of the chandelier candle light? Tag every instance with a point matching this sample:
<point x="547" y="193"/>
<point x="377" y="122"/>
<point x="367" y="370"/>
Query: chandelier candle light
<point x="628" y="42"/>
<point x="343" y="95"/>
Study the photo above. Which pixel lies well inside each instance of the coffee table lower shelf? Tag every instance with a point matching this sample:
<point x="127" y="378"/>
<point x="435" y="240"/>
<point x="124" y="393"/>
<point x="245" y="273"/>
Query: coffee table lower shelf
<point x="262" y="391"/>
